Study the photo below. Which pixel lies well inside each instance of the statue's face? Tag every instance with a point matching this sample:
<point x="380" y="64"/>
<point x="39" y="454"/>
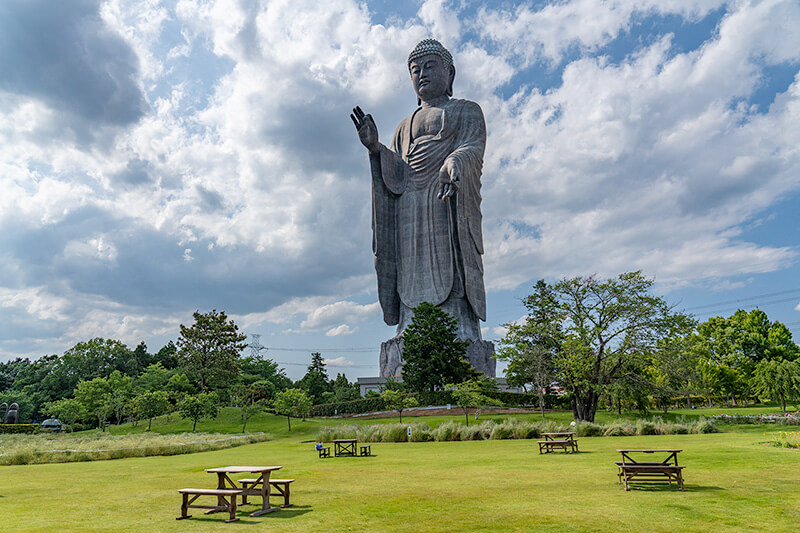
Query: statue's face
<point x="430" y="76"/>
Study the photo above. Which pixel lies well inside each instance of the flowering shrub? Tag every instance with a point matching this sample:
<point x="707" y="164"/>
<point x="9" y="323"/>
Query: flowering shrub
<point x="785" y="419"/>
<point x="787" y="439"/>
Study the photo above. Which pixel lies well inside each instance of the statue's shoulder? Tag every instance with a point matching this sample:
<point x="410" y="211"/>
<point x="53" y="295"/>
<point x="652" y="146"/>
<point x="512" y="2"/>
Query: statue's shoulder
<point x="465" y="108"/>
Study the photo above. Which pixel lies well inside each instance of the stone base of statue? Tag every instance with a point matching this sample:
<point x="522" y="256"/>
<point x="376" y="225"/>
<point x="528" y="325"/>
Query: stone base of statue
<point x="480" y="355"/>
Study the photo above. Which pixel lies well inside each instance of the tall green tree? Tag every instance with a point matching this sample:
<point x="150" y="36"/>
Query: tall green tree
<point x="94" y="396"/>
<point x="778" y="379"/>
<point x="199" y="406"/>
<point x="292" y="403"/>
<point x="432" y="354"/>
<point x="151" y="404"/>
<point x="209" y="350"/>
<point x="600" y="331"/>
<point x="398" y="400"/>
<point x="68" y="411"/>
<point x="315" y="381"/>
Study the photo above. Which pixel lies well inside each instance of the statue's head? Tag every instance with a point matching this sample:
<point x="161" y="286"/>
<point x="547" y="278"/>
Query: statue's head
<point x="432" y="71"/>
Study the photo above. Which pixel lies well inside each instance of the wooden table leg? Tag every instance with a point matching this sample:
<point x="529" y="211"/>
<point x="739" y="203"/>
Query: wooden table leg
<point x="265" y="492"/>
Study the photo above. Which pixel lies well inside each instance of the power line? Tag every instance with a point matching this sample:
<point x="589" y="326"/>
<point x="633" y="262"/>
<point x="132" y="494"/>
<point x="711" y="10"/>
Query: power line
<point x="757" y="304"/>
<point x="767" y="295"/>
<point x="348" y="350"/>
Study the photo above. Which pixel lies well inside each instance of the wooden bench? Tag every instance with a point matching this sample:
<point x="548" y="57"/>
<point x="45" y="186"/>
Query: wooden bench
<point x="565" y="441"/>
<point x="325" y="451"/>
<point x="629" y="470"/>
<point x="280" y="485"/>
<point x="366" y="449"/>
<point x="223" y="504"/>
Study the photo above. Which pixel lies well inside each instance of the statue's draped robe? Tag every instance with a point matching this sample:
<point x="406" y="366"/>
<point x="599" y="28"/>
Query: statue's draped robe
<point x="427" y="249"/>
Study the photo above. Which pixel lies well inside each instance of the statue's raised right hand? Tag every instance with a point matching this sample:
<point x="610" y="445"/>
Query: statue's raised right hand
<point x="367" y="130"/>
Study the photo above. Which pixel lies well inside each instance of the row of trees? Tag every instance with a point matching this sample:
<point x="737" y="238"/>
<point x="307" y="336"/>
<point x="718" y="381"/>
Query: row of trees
<point x="103" y="380"/>
<point x="613" y="341"/>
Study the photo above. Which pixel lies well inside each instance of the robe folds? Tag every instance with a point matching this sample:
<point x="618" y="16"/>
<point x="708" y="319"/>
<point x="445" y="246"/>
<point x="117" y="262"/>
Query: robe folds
<point x="427" y="249"/>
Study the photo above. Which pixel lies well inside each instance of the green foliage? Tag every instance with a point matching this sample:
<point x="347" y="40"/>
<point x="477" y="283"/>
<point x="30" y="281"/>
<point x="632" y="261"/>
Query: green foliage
<point x="292" y="403"/>
<point x="597" y="333"/>
<point x="398" y="400"/>
<point x="777" y="379"/>
<point x="203" y="405"/>
<point x="19" y="428"/>
<point x="68" y="411"/>
<point x="151" y="404"/>
<point x="468" y="394"/>
<point x="315" y="381"/>
<point x="432" y="355"/>
<point x="365" y="405"/>
<point x="209" y="350"/>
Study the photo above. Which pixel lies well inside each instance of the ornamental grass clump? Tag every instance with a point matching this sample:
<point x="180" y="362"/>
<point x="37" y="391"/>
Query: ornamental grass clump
<point x="620" y="429"/>
<point x="704" y="426"/>
<point x="502" y="431"/>
<point x="588" y="429"/>
<point x="67" y="448"/>
<point x="447" y="432"/>
<point x="525" y="430"/>
<point x="644" y="427"/>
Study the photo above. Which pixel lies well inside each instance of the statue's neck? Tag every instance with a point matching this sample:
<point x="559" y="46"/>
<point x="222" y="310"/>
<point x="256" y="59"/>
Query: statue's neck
<point x="439" y="101"/>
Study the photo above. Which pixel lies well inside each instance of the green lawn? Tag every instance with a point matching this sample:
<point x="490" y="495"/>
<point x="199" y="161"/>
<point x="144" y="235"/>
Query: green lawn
<point x="733" y="483"/>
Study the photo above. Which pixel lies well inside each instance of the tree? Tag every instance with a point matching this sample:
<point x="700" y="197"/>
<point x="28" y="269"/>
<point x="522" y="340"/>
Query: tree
<point x="203" y="405"/>
<point x="469" y="394"/>
<point x="398" y="400"/>
<point x="68" y="411"/>
<point x="527" y="365"/>
<point x="777" y="379"/>
<point x="94" y="396"/>
<point x="432" y="354"/>
<point x="292" y="402"/>
<point x="343" y="390"/>
<point x="209" y="350"/>
<point x="167" y="356"/>
<point x="151" y="404"/>
<point x="250" y="401"/>
<point x="153" y="378"/>
<point x="120" y="392"/>
<point x="315" y="380"/>
<point x="140" y="359"/>
<point x="600" y="332"/>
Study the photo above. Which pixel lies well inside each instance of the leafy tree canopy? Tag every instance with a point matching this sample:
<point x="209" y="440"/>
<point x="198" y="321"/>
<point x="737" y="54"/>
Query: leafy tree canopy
<point x="209" y="350"/>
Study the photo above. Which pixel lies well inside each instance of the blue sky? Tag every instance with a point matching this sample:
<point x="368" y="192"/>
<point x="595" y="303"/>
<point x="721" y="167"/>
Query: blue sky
<point x="158" y="158"/>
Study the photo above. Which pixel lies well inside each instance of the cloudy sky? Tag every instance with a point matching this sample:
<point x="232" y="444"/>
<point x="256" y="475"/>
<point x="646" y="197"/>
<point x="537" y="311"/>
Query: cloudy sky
<point x="162" y="157"/>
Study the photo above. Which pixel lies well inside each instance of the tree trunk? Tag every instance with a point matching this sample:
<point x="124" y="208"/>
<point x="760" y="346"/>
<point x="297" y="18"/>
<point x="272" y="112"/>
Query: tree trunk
<point x="194" y="425"/>
<point x="401" y="415"/>
<point x="783" y="403"/>
<point x="149" y="423"/>
<point x="584" y="406"/>
<point x="289" y="420"/>
<point x="466" y="415"/>
<point x="541" y="403"/>
<point x="688" y="400"/>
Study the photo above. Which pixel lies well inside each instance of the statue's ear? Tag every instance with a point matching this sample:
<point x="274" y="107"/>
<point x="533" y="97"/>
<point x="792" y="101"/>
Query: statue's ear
<point x="419" y="101"/>
<point x="452" y="78"/>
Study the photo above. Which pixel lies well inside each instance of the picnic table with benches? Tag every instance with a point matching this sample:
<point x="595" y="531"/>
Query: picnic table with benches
<point x="564" y="440"/>
<point x="630" y="470"/>
<point x="344" y="447"/>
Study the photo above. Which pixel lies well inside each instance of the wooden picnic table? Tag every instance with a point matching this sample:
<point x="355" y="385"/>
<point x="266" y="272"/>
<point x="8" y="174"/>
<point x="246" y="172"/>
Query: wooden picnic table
<point x="344" y="447"/>
<point x="225" y="482"/>
<point x="564" y="440"/>
<point x="630" y="470"/>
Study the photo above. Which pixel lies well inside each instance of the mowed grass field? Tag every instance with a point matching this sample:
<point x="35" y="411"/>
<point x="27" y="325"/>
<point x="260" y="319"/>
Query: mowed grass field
<point x="734" y="482"/>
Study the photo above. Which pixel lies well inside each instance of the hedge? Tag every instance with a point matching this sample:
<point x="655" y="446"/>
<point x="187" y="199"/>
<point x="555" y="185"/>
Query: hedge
<point x="368" y="405"/>
<point x="19" y="428"/>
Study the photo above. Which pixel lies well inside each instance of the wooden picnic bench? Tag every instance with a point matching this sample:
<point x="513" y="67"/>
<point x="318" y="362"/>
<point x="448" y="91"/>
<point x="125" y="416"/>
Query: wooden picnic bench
<point x="324" y="451"/>
<point x="366" y="449"/>
<point x="226" y="501"/>
<point x="564" y="440"/>
<point x="281" y="486"/>
<point x="630" y="470"/>
<point x="344" y="447"/>
<point x="225" y="482"/>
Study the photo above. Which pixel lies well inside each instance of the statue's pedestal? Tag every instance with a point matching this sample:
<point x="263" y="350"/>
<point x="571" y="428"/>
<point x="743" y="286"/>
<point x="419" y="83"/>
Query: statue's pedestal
<point x="480" y="355"/>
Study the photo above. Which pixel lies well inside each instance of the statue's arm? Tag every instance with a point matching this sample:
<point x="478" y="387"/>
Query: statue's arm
<point x="468" y="151"/>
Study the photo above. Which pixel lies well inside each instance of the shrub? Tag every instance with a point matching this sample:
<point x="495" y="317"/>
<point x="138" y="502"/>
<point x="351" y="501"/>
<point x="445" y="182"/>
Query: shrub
<point x="588" y="429"/>
<point x="19" y="428"/>
<point x="643" y="427"/>
<point x="619" y="429"/>
<point x="502" y="431"/>
<point x="476" y="432"/>
<point x="449" y="431"/>
<point x="526" y="431"/>
<point x="704" y="426"/>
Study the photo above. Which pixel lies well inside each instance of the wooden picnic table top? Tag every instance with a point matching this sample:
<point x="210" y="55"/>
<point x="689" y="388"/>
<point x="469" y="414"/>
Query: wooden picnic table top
<point x="242" y="469"/>
<point x="345" y="440"/>
<point x="560" y="433"/>
<point x="650" y="451"/>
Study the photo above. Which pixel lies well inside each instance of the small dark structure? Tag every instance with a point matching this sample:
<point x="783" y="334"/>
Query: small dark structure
<point x="12" y="414"/>
<point x="4" y="411"/>
<point x="53" y="424"/>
